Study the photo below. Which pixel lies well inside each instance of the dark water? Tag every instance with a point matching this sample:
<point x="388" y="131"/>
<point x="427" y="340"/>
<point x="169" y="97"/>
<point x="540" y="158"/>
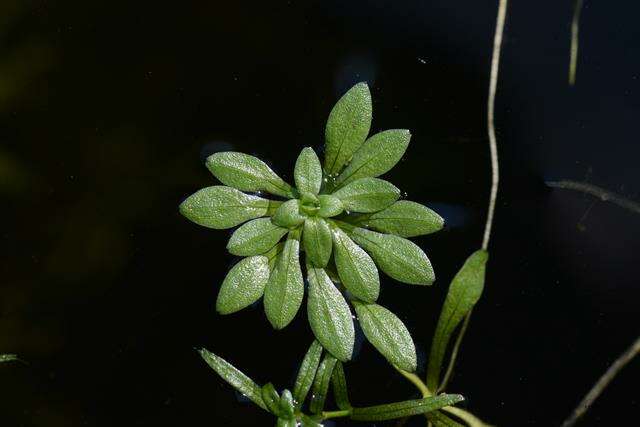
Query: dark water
<point x="107" y="110"/>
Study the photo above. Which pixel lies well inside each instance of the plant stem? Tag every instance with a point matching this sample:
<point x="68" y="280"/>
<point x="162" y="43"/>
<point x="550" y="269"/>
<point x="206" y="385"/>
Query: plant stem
<point x="336" y="414"/>
<point x="603" y="382"/>
<point x="600" y="193"/>
<point x="493" y="146"/>
<point x="454" y="352"/>
<point x="573" y="54"/>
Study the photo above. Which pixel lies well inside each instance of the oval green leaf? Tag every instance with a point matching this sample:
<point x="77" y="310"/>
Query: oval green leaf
<point x="377" y="156"/>
<point x="367" y="195"/>
<point x="408" y="408"/>
<point x="308" y="172"/>
<point x="399" y="258"/>
<point x="255" y="237"/>
<point x="316" y="237"/>
<point x="347" y="127"/>
<point x="405" y="219"/>
<point x="288" y="214"/>
<point x="243" y="285"/>
<point x="329" y="315"/>
<point x="388" y="334"/>
<point x="247" y="173"/>
<point x="285" y="288"/>
<point x="357" y="271"/>
<point x="222" y="207"/>
<point x="329" y="206"/>
<point x="307" y="373"/>
<point x="464" y="292"/>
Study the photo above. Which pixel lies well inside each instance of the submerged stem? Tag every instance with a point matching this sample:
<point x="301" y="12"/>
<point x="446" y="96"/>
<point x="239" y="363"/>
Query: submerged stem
<point x="336" y="414"/>
<point x="454" y="352"/>
<point x="573" y="53"/>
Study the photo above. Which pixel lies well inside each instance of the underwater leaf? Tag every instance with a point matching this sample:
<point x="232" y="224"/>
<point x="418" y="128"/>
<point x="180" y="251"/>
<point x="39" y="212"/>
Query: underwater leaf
<point x="329" y="206"/>
<point x="288" y="214"/>
<point x="317" y="240"/>
<point x="307" y="373"/>
<point x="285" y="288"/>
<point x="222" y="207"/>
<point x="286" y="403"/>
<point x="357" y="271"/>
<point x="308" y="172"/>
<point x="8" y="357"/>
<point x="464" y="292"/>
<point x="399" y="258"/>
<point x="339" y="382"/>
<point x="329" y="315"/>
<point x="233" y="376"/>
<point x="243" y="285"/>
<point x="377" y="156"/>
<point x="247" y="173"/>
<point x="255" y="237"/>
<point x="388" y="334"/>
<point x="271" y="398"/>
<point x="405" y="219"/>
<point x="321" y="383"/>
<point x="438" y="419"/>
<point x="347" y="127"/>
<point x="367" y="195"/>
<point x="307" y="421"/>
<point x="286" y="422"/>
<point x="407" y="408"/>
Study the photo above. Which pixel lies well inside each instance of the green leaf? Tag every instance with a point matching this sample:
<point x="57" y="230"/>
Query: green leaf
<point x="222" y="207"/>
<point x="340" y="392"/>
<point x="399" y="258"/>
<point x="271" y="398"/>
<point x="367" y="195"/>
<point x="438" y="419"/>
<point x="307" y="421"/>
<point x="407" y="408"/>
<point x="8" y="357"/>
<point x="308" y="172"/>
<point x="321" y="383"/>
<point x="288" y="214"/>
<point x="307" y="373"/>
<point x="464" y="292"/>
<point x="329" y="206"/>
<point x="247" y="173"/>
<point x="255" y="237"/>
<point x="272" y="255"/>
<point x="377" y="156"/>
<point x="243" y="285"/>
<point x="356" y="269"/>
<point x="388" y="334"/>
<point x="285" y="288"/>
<point x="233" y="376"/>
<point x="286" y="422"/>
<point x="347" y="127"/>
<point x="329" y="315"/>
<point x="405" y="219"/>
<point x="316" y="237"/>
<point x="286" y="403"/>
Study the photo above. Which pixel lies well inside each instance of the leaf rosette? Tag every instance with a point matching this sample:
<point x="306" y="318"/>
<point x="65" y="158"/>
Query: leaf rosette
<point x="348" y="223"/>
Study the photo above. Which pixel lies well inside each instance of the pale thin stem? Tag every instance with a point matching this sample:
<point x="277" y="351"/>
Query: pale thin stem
<point x="336" y="414"/>
<point x="493" y="146"/>
<point x="603" y="382"/>
<point x="600" y="193"/>
<point x="573" y="54"/>
<point x="454" y="352"/>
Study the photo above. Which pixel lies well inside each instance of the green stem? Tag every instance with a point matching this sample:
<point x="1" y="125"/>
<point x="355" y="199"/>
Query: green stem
<point x="336" y="414"/>
<point x="454" y="352"/>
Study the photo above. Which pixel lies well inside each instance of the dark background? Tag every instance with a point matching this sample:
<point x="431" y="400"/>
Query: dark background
<point x="108" y="109"/>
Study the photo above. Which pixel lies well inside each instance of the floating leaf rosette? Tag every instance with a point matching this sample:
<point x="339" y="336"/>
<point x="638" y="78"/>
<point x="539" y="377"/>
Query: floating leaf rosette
<point x="346" y="221"/>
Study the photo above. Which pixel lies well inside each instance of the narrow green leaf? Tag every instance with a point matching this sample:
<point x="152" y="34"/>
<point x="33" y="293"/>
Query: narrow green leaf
<point x="307" y="373"/>
<point x="377" y="156"/>
<point x="308" y="172"/>
<point x="255" y="237"/>
<point x="272" y="255"/>
<point x="286" y="403"/>
<point x="405" y="219"/>
<point x="438" y="419"/>
<point x="340" y="391"/>
<point x="222" y="207"/>
<point x="367" y="195"/>
<point x="347" y="127"/>
<point x="388" y="334"/>
<point x="247" y="173"/>
<point x="321" y="383"/>
<point x="8" y="357"/>
<point x="464" y="292"/>
<point x="233" y="376"/>
<point x="288" y="214"/>
<point x="356" y="269"/>
<point x="329" y="315"/>
<point x="317" y="240"/>
<point x="243" y="285"/>
<point x="399" y="258"/>
<point x="329" y="206"/>
<point x="407" y="408"/>
<point x="285" y="288"/>
<point x="286" y="422"/>
<point x="271" y="398"/>
<point x="307" y="421"/>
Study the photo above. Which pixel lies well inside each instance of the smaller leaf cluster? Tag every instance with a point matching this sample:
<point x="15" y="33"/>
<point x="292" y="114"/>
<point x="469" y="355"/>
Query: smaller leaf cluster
<point x="345" y="220"/>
